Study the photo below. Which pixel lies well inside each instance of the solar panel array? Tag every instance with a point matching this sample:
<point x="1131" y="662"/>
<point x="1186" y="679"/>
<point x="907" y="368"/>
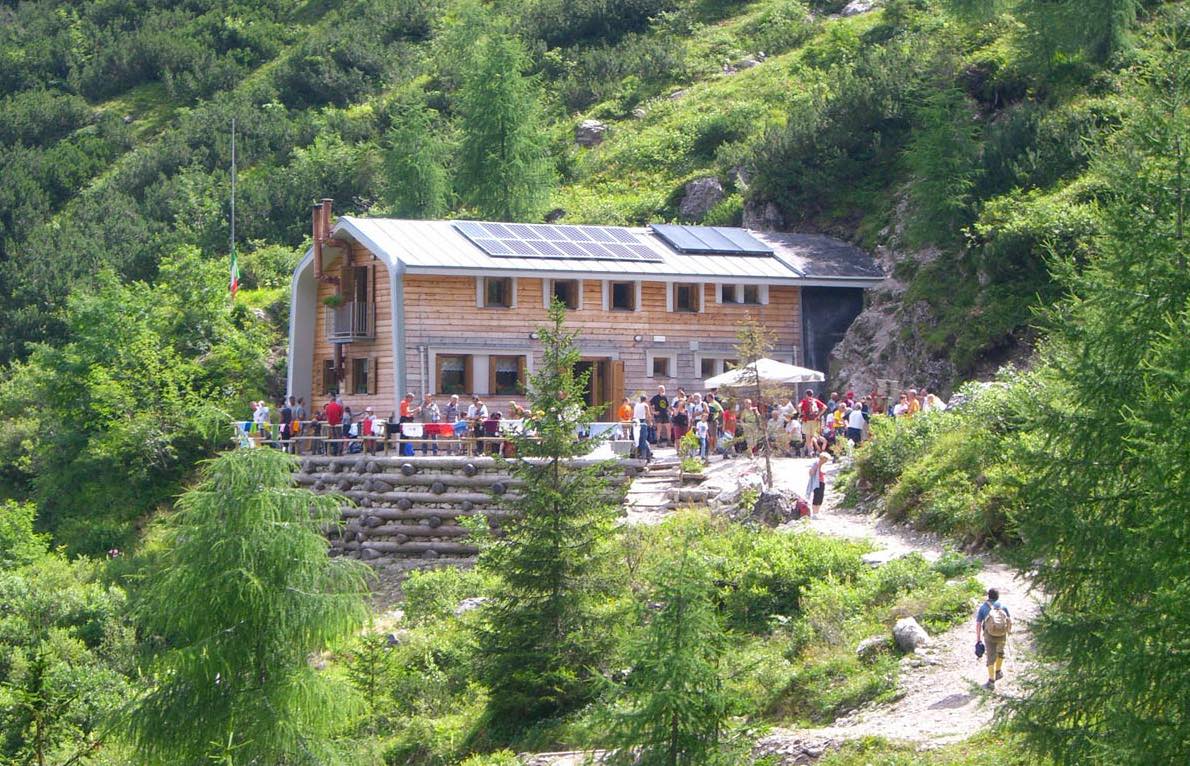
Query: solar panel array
<point x="718" y="240"/>
<point x="538" y="240"/>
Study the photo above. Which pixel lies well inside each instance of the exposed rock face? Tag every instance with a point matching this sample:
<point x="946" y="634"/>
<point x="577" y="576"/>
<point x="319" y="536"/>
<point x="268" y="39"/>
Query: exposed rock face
<point x="909" y="635"/>
<point x="763" y="217"/>
<point x="701" y="195"/>
<point x="886" y="341"/>
<point x="590" y="133"/>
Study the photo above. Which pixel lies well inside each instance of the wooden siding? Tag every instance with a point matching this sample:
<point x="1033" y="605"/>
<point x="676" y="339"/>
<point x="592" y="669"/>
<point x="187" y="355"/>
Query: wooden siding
<point x="378" y="348"/>
<point x="442" y="317"/>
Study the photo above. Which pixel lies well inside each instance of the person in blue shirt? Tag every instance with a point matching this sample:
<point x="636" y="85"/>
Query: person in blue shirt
<point x="993" y="623"/>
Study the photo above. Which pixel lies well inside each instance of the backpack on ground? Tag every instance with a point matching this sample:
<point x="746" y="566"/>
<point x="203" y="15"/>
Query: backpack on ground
<point x="997" y="623"/>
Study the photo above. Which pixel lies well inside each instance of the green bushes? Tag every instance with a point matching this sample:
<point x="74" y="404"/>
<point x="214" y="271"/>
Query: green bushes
<point x="951" y="472"/>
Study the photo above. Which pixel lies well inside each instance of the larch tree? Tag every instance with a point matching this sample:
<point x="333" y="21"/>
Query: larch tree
<point x="504" y="167"/>
<point x="543" y="633"/>
<point x="1107" y="529"/>
<point x="416" y="181"/>
<point x="242" y="595"/>
<point x="674" y="706"/>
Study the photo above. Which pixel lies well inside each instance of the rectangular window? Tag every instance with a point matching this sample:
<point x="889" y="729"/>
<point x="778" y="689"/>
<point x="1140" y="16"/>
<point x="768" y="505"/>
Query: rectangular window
<point x="452" y="374"/>
<point x="727" y="293"/>
<point x="330" y="383"/>
<point x="359" y="376"/>
<point x="752" y="295"/>
<point x="686" y="297"/>
<point x="661" y="367"/>
<point x="497" y="292"/>
<point x="567" y="291"/>
<point x="507" y="374"/>
<point x="708" y="368"/>
<point x="623" y="296"/>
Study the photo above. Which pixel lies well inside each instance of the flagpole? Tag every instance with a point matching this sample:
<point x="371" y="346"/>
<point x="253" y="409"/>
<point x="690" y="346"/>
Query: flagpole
<point x="234" y="281"/>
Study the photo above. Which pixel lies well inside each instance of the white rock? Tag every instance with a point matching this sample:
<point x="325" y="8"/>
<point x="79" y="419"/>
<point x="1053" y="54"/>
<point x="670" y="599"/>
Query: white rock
<point x="909" y="635"/>
<point x="856" y="7"/>
<point x="879" y="558"/>
<point x="468" y="604"/>
<point x="590" y="133"/>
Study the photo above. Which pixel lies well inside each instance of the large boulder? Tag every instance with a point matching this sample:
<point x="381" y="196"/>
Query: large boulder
<point x="909" y="635"/>
<point x="590" y="133"/>
<point x="700" y="196"/>
<point x="856" y="7"/>
<point x="870" y="648"/>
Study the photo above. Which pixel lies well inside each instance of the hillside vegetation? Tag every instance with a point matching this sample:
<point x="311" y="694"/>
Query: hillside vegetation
<point x="1020" y="166"/>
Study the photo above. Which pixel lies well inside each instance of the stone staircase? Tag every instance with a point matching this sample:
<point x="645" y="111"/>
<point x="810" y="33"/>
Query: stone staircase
<point x="659" y="489"/>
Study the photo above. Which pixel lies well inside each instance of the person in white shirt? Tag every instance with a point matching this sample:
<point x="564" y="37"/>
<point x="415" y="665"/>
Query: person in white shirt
<point x="642" y="414"/>
<point x="855" y="425"/>
<point x="701" y="430"/>
<point x="932" y="402"/>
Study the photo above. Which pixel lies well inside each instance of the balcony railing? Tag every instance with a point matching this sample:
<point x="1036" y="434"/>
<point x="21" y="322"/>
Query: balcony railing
<point x="350" y="320"/>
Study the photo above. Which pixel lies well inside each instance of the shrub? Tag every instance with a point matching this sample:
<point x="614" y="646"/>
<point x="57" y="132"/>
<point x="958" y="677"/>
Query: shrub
<point x="433" y="594"/>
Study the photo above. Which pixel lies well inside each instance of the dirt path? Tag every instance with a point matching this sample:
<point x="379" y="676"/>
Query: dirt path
<point x="941" y="696"/>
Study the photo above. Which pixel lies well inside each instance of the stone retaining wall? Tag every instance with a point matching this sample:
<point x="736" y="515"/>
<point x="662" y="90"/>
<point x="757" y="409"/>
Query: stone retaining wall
<point x="406" y="510"/>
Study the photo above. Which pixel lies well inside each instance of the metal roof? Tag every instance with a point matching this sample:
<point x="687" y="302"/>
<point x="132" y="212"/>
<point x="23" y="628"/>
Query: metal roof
<point x="436" y="247"/>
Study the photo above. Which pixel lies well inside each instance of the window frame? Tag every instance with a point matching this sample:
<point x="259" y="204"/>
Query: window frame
<point x="493" y="380"/>
<point x="633" y="291"/>
<point x="467" y="388"/>
<point x="694" y="292"/>
<point x="744" y="295"/>
<point x="330" y="382"/>
<point x="551" y="292"/>
<point x="671" y="358"/>
<point x="361" y="375"/>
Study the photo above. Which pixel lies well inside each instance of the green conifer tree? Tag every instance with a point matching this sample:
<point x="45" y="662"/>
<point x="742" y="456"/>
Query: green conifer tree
<point x="504" y="169"/>
<point x="675" y="705"/>
<point x="543" y="633"/>
<point x="1107" y="523"/>
<point x="244" y="593"/>
<point x="416" y="181"/>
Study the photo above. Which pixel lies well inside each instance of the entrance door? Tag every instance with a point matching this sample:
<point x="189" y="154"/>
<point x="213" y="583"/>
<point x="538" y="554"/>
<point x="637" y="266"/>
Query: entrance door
<point x="605" y="385"/>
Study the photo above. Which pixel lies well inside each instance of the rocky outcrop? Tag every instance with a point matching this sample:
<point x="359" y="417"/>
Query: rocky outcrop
<point x="699" y="197"/>
<point x="763" y="216"/>
<point x="856" y="7"/>
<point x="590" y="133"/>
<point x="794" y="751"/>
<point x="909" y="635"/>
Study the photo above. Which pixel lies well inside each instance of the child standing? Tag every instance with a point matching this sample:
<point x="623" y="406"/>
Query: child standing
<point x="701" y="430"/>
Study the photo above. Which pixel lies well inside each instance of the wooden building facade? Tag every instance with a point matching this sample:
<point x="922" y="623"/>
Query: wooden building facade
<point x="381" y="307"/>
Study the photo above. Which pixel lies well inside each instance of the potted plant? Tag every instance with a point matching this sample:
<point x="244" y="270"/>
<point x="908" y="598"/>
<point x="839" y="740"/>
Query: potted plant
<point x="691" y="470"/>
<point x="334" y="300"/>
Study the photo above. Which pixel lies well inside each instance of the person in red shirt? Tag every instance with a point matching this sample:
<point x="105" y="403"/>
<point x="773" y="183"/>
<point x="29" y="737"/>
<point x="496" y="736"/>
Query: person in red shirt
<point x="334" y="419"/>
<point x="811" y="411"/>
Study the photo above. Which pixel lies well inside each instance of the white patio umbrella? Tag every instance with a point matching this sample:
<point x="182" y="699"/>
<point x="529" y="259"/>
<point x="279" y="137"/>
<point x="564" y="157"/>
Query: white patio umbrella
<point x="768" y="370"/>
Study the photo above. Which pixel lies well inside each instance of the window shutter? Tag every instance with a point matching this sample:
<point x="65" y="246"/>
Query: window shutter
<point x="491" y="375"/>
<point x="373" y="374"/>
<point x="345" y="387"/>
<point x="468" y="384"/>
<point x="520" y="372"/>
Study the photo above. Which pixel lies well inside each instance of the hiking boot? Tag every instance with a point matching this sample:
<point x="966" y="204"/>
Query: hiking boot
<point x="990" y="685"/>
<point x="999" y="675"/>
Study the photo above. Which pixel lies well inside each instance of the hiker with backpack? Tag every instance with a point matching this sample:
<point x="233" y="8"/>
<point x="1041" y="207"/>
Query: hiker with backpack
<point x="993" y="623"/>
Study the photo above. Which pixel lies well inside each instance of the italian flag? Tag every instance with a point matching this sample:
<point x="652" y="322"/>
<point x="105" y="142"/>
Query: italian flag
<point x="234" y="284"/>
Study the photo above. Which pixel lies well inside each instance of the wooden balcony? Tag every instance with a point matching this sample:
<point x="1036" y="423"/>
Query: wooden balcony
<point x="353" y="320"/>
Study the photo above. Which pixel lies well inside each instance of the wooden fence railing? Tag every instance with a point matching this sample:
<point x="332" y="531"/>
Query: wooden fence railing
<point x="319" y="438"/>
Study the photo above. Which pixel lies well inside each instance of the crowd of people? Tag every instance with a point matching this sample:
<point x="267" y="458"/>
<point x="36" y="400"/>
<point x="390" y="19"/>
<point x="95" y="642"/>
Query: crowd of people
<point x="797" y="426"/>
<point x="720" y="424"/>
<point x="334" y="429"/>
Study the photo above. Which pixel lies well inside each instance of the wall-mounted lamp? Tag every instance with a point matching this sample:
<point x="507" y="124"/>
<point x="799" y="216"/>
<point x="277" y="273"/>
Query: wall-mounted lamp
<point x="533" y="336"/>
<point x="638" y="338"/>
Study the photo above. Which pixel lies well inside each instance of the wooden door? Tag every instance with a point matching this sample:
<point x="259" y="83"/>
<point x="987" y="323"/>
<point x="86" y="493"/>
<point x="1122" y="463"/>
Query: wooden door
<point x="614" y="390"/>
